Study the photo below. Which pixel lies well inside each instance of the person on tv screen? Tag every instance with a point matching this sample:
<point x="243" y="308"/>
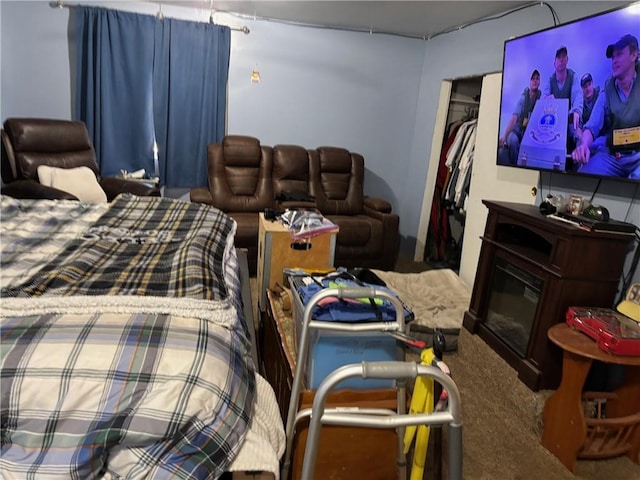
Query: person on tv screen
<point x="612" y="133"/>
<point x="563" y="84"/>
<point x="589" y="96"/>
<point x="509" y="142"/>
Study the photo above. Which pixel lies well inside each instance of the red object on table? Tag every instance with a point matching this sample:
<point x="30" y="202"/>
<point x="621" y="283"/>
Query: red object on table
<point x="615" y="333"/>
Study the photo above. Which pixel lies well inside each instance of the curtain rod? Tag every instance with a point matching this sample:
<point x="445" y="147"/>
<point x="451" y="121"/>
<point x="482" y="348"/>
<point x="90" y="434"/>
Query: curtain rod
<point x="61" y="4"/>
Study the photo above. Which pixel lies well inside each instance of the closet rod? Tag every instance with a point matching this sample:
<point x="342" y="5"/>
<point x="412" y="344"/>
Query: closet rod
<point x="61" y="4"/>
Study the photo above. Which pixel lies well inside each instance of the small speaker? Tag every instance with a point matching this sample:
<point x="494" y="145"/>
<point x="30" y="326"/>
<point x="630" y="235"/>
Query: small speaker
<point x="547" y="208"/>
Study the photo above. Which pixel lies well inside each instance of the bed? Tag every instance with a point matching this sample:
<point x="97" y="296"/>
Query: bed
<point x="125" y="352"/>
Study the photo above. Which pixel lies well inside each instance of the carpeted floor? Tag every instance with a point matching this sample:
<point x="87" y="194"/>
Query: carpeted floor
<point x="502" y="419"/>
<point x="502" y="423"/>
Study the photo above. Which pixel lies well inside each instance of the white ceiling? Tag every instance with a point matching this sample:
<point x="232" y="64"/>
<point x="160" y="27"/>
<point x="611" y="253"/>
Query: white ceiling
<point x="415" y="18"/>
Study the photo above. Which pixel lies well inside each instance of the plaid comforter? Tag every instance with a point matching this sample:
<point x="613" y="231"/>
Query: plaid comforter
<point x="125" y="355"/>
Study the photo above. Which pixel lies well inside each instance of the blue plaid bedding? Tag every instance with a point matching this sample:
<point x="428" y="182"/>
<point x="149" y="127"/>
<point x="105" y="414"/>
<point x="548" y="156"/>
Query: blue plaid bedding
<point x="113" y="364"/>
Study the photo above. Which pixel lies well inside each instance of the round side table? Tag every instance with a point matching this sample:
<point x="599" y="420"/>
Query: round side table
<point x="567" y="433"/>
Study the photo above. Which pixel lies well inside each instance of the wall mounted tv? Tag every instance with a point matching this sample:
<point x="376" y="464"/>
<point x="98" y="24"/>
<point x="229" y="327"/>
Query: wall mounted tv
<point x="570" y="99"/>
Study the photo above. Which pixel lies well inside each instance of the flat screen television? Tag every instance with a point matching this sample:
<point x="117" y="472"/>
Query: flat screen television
<point x="547" y="106"/>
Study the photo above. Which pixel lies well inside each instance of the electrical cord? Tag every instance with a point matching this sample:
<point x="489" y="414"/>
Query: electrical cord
<point x="633" y="198"/>
<point x="245" y="30"/>
<point x="596" y="190"/>
<point x="501" y="15"/>
<point x="372" y="31"/>
<point x="542" y="197"/>
<point x="554" y="14"/>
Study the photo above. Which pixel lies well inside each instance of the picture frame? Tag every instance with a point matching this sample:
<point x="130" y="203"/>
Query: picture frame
<point x="574" y="206"/>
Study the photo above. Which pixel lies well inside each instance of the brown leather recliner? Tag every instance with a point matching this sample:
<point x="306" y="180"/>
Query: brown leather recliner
<point x="240" y="185"/>
<point x="368" y="235"/>
<point x="28" y="143"/>
<point x="291" y="177"/>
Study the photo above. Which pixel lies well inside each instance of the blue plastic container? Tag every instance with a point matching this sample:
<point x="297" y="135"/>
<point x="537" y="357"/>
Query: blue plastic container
<point x="329" y="350"/>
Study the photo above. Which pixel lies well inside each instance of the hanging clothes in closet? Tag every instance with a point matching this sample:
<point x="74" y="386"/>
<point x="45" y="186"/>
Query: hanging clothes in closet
<point x="459" y="163"/>
<point x="446" y="222"/>
<point x="439" y="226"/>
<point x="452" y="181"/>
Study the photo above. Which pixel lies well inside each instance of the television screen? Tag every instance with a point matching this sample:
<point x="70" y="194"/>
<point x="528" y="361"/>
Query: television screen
<point x="570" y="99"/>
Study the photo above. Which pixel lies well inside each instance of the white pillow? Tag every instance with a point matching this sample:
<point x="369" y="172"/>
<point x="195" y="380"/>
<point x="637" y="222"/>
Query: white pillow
<point x="79" y="181"/>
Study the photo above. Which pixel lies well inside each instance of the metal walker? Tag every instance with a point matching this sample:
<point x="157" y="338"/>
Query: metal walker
<point x="399" y="371"/>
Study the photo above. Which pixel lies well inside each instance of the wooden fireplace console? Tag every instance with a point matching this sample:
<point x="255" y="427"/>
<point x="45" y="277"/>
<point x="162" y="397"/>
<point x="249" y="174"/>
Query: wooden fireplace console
<point x="570" y="266"/>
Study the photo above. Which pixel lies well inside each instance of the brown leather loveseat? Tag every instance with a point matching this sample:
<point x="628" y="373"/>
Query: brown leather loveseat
<point x="246" y="177"/>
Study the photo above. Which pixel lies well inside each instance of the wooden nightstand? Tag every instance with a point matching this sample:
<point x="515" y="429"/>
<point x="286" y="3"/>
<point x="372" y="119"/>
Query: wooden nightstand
<point x="277" y="252"/>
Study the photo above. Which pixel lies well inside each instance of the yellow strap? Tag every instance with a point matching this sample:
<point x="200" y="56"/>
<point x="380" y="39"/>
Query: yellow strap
<point x="422" y="438"/>
<point x="420" y="453"/>
<point x="427" y="356"/>
<point x="421" y="399"/>
<point x="418" y="405"/>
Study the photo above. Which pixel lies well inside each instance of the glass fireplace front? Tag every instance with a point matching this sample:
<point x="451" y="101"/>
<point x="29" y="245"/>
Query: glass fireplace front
<point x="513" y="301"/>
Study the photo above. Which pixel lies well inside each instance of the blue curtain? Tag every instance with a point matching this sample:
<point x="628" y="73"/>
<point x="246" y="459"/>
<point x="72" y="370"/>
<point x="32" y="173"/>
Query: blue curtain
<point x="114" y="65"/>
<point x="146" y="78"/>
<point x="190" y="83"/>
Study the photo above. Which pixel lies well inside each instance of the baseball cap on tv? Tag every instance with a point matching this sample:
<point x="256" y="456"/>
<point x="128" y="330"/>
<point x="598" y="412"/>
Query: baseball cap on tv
<point x="586" y="78"/>
<point x="627" y="40"/>
<point x="534" y="73"/>
<point x="561" y="51"/>
<point x="630" y="306"/>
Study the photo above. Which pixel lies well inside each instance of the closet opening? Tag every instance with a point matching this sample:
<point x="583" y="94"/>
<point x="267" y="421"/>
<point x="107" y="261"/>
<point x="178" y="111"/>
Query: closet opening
<point x="449" y="179"/>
